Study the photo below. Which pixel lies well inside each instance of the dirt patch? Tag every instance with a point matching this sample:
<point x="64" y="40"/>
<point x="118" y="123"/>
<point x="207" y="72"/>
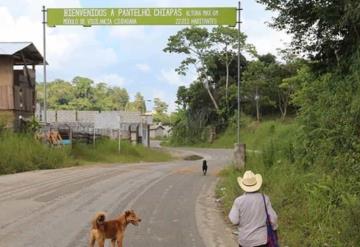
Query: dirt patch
<point x="186" y="170"/>
<point x="193" y="157"/>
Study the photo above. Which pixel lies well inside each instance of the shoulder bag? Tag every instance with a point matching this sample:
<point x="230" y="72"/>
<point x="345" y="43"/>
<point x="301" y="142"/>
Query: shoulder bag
<point x="272" y="239"/>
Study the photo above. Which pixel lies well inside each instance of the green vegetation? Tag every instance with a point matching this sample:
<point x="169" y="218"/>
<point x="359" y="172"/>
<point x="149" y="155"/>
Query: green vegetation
<point x="255" y="134"/>
<point x="83" y="94"/>
<point x="311" y="163"/>
<point x="160" y="112"/>
<point x="21" y="152"/>
<point x="107" y="151"/>
<point x="328" y="32"/>
<point x="207" y="107"/>
<point x="316" y="206"/>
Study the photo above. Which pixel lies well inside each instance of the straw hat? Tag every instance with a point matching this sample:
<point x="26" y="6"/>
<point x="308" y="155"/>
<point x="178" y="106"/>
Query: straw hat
<point x="250" y="182"/>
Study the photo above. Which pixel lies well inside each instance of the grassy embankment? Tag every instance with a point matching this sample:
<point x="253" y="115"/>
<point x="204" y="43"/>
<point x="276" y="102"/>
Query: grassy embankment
<point x="19" y="153"/>
<point x="313" y="203"/>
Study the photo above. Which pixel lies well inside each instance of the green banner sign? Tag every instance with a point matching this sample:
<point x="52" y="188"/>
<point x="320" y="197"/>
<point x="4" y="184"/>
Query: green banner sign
<point x="141" y="16"/>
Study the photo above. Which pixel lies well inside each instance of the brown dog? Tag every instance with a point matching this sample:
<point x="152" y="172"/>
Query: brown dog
<point x="112" y="229"/>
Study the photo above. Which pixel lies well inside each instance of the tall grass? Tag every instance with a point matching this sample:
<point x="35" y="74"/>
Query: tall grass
<point x="20" y="152"/>
<point x="256" y="135"/>
<point x="316" y="206"/>
<point x="107" y="151"/>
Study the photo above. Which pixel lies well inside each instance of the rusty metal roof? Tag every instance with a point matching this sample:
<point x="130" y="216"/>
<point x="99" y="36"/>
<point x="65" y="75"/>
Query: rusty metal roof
<point x="16" y="49"/>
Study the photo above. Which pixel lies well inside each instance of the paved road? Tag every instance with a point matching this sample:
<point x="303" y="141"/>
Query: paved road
<point x="54" y="207"/>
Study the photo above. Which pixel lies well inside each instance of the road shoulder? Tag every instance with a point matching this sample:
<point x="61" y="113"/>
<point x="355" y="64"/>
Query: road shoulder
<point x="212" y="227"/>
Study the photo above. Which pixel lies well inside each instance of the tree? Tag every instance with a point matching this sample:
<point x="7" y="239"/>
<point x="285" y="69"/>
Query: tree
<point x="198" y="114"/>
<point x="286" y="88"/>
<point x="81" y="104"/>
<point x="328" y="31"/>
<point x="119" y="97"/>
<point x="101" y="97"/>
<point x="227" y="39"/>
<point x="83" y="87"/>
<point x="195" y="44"/>
<point x="267" y="59"/>
<point x="289" y="77"/>
<point x="60" y="94"/>
<point x="269" y="84"/>
<point x="225" y="43"/>
<point x="205" y="50"/>
<point x="137" y="105"/>
<point x="254" y="83"/>
<point x="182" y="98"/>
<point x="160" y="107"/>
<point x="82" y="94"/>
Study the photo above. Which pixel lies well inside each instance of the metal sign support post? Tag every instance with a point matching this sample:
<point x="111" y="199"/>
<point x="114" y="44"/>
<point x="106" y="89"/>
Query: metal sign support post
<point x="44" y="62"/>
<point x="239" y="148"/>
<point x="239" y="74"/>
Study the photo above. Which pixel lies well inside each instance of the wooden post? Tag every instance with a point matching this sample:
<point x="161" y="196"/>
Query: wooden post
<point x="239" y="156"/>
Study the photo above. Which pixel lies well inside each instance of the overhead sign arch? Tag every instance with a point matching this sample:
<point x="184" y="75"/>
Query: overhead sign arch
<point x="141" y="16"/>
<point x="221" y="16"/>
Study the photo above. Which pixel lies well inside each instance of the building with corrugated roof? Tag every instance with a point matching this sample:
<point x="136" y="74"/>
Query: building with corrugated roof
<point x="18" y="81"/>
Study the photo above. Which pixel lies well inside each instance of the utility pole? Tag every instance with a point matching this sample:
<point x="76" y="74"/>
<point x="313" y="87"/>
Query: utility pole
<point x="239" y="149"/>
<point x="44" y="62"/>
<point x="239" y="74"/>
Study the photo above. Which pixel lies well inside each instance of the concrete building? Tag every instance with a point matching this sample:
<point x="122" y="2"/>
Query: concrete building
<point x="159" y="131"/>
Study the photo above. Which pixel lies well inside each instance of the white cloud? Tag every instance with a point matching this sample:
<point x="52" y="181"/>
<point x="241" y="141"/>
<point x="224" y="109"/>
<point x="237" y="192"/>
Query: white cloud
<point x="22" y="28"/>
<point x="70" y="50"/>
<point x="171" y="77"/>
<point x="172" y="106"/>
<point x="171" y="103"/>
<point x="111" y="79"/>
<point x="165" y="96"/>
<point x="93" y="52"/>
<point x="264" y="38"/>
<point x="159" y="94"/>
<point x="143" y="67"/>
<point x="79" y="52"/>
<point x="192" y="3"/>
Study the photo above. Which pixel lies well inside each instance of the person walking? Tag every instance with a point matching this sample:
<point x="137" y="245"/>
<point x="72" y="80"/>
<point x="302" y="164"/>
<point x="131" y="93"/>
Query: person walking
<point x="253" y="213"/>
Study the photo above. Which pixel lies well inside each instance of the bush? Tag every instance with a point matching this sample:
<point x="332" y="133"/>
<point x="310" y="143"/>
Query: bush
<point x="330" y="118"/>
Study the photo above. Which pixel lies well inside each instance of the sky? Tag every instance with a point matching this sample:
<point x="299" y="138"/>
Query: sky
<point x="131" y="57"/>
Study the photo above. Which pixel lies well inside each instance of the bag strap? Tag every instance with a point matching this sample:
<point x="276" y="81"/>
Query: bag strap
<point x="267" y="214"/>
<point x="273" y="235"/>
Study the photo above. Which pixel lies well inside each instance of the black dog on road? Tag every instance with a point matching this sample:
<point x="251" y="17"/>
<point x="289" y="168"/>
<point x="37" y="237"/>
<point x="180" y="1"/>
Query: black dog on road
<point x="204" y="167"/>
